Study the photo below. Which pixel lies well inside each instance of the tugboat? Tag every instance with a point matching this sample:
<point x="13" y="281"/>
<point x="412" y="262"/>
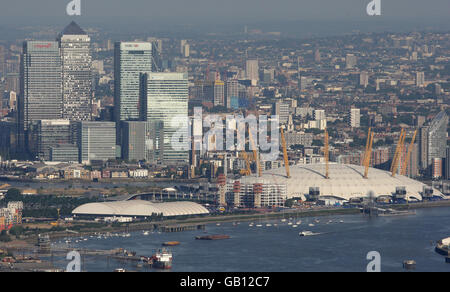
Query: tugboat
<point x="443" y="247"/>
<point x="162" y="259"/>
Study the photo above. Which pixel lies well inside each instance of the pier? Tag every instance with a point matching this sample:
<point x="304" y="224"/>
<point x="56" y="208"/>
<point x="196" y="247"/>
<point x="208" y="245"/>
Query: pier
<point x="181" y="227"/>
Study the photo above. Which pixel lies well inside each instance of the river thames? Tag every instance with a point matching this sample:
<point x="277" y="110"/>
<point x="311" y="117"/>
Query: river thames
<point x="341" y="244"/>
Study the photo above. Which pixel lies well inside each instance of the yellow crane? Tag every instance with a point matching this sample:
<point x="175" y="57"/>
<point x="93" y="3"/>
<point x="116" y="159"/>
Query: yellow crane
<point x="285" y="155"/>
<point x="398" y="152"/>
<point x="255" y="153"/>
<point x="56" y="223"/>
<point x="248" y="170"/>
<point x="408" y="155"/>
<point x="327" y="156"/>
<point x="368" y="155"/>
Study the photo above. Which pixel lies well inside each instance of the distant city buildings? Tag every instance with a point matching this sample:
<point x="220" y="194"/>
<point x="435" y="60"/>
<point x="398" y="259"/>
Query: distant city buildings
<point x="420" y="79"/>
<point x="355" y="118"/>
<point x="252" y="71"/>
<point x="351" y="61"/>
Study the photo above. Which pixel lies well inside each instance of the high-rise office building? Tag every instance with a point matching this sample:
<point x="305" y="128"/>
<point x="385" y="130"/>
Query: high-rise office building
<point x="281" y="109"/>
<point x="133" y="137"/>
<point x="41" y="83"/>
<point x="437" y="137"/>
<point x="317" y="57"/>
<point x="75" y="46"/>
<point x="252" y="71"/>
<point x="130" y="59"/>
<point x="232" y="93"/>
<point x="165" y="96"/>
<point x="95" y="140"/>
<point x="46" y="134"/>
<point x="186" y="50"/>
<point x="420" y="79"/>
<point x="423" y="147"/>
<point x="319" y="115"/>
<point x="355" y="118"/>
<point x="364" y="79"/>
<point x="219" y="93"/>
<point x="351" y="61"/>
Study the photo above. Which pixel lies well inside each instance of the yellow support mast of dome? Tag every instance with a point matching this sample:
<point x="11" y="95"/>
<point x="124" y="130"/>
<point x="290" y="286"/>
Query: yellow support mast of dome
<point x="327" y="155"/>
<point x="408" y="155"/>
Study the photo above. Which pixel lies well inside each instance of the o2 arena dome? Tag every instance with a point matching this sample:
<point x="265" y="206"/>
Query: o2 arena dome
<point x="345" y="181"/>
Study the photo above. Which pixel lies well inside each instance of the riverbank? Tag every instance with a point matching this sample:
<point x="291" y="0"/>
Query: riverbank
<point x="30" y="241"/>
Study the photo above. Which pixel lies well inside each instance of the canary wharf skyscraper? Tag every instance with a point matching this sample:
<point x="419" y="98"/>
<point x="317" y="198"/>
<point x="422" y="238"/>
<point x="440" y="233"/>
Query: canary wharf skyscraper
<point x="41" y="85"/>
<point x="75" y="46"/>
<point x="165" y="99"/>
<point x="130" y="59"/>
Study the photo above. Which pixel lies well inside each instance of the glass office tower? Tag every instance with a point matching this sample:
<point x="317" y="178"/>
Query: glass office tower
<point x="165" y="99"/>
<point x="41" y="86"/>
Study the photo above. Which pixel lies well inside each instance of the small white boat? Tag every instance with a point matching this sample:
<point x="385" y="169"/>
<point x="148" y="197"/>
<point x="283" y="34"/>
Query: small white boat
<point x="307" y="233"/>
<point x="290" y="223"/>
<point x="283" y="220"/>
<point x="311" y="225"/>
<point x="295" y="226"/>
<point x="258" y="225"/>
<point x="342" y="221"/>
<point x="218" y="224"/>
<point x="299" y="222"/>
<point x="268" y="225"/>
<point x="146" y="233"/>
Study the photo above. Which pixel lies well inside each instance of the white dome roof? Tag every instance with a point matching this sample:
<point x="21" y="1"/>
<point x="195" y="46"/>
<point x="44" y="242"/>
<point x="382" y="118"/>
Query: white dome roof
<point x="346" y="181"/>
<point x="140" y="208"/>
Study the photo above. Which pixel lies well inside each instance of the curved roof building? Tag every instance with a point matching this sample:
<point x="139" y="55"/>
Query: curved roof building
<point x="345" y="182"/>
<point x="140" y="208"/>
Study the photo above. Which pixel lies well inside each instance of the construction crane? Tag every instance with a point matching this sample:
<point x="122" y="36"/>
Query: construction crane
<point x="255" y="153"/>
<point x="285" y="155"/>
<point x="398" y="152"/>
<point x="368" y="155"/>
<point x="248" y="170"/>
<point x="56" y="223"/>
<point x="408" y="155"/>
<point x="327" y="156"/>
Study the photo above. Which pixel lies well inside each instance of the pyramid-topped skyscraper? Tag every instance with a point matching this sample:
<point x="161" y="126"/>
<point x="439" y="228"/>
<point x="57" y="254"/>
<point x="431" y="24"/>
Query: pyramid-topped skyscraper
<point x="75" y="46"/>
<point x="73" y="29"/>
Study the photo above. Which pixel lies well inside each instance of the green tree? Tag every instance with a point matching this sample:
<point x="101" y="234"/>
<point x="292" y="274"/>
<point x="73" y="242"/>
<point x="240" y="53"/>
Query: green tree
<point x="13" y="195"/>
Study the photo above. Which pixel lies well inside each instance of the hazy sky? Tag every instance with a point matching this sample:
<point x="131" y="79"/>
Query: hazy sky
<point x="294" y="17"/>
<point x="227" y="10"/>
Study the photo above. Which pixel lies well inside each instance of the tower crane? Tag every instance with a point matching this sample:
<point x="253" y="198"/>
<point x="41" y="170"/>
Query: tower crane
<point x="255" y="153"/>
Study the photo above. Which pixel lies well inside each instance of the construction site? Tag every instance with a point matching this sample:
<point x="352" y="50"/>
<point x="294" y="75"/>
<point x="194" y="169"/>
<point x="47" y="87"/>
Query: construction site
<point x="327" y="182"/>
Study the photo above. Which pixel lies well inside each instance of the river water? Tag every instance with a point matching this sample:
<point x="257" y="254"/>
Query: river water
<point x="342" y="245"/>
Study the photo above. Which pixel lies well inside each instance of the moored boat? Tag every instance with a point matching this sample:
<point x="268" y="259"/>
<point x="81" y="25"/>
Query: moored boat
<point x="212" y="237"/>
